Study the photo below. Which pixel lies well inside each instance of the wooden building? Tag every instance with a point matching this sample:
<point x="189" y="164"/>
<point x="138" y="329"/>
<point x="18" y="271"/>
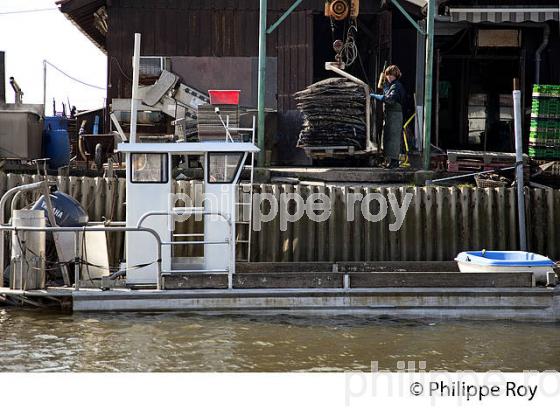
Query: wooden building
<point x="480" y="46"/>
<point x="222" y="29"/>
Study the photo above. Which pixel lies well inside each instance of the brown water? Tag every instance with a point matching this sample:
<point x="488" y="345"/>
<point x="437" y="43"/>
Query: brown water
<point x="34" y="341"/>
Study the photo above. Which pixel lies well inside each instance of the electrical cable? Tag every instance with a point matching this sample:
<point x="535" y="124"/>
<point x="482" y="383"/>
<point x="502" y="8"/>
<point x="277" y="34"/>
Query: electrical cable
<point x="114" y="59"/>
<point x="74" y="78"/>
<point x="5" y="13"/>
<point x="349" y="50"/>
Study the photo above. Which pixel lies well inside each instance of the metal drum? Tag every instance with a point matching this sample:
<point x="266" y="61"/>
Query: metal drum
<point x="27" y="270"/>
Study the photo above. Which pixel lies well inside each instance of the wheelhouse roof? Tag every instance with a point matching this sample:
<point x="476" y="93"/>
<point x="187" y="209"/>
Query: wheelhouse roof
<point x="188" y="147"/>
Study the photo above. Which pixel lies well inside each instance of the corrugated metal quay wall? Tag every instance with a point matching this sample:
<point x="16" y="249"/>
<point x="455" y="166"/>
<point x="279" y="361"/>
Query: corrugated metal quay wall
<point x="440" y="221"/>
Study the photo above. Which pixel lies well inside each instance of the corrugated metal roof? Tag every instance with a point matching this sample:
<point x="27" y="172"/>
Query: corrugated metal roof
<point x="504" y="15"/>
<point x="82" y="14"/>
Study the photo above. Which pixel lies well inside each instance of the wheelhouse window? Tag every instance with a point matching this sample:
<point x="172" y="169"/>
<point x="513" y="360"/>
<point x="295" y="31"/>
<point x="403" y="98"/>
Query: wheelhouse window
<point x="222" y="167"/>
<point x="149" y="168"/>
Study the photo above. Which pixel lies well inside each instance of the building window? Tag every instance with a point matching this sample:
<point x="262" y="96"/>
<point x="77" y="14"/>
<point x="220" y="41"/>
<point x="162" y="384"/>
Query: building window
<point x="222" y="167"/>
<point x="149" y="168"/>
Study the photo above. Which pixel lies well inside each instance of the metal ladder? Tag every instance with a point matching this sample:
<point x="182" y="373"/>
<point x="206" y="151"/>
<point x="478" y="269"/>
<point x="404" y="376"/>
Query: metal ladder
<point x="244" y="222"/>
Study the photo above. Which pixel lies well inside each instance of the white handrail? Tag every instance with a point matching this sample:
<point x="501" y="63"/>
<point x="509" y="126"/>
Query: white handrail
<point x="196" y="211"/>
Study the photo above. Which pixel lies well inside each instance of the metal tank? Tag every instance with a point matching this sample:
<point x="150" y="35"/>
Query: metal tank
<point x="27" y="267"/>
<point x="21" y="128"/>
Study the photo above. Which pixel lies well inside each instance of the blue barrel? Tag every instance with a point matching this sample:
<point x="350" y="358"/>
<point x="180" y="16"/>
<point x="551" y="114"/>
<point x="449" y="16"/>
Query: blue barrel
<point x="56" y="143"/>
<point x="55" y="123"/>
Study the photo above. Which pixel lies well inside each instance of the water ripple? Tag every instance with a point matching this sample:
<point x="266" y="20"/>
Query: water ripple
<point x="50" y="342"/>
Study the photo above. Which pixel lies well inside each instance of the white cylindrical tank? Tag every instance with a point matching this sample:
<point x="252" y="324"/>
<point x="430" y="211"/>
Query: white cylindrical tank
<point x="27" y="269"/>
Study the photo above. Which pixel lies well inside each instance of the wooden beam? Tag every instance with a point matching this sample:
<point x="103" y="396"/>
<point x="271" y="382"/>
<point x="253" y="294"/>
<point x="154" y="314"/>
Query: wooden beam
<point x="357" y="280"/>
<point x="441" y="280"/>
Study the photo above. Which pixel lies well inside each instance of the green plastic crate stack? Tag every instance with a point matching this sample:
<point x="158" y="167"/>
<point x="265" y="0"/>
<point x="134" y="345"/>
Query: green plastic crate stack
<point x="544" y="137"/>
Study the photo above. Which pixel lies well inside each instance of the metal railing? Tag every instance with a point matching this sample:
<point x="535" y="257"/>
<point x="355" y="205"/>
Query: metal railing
<point x="83" y="229"/>
<point x="121" y="227"/>
<point x="4" y="200"/>
<point x="197" y="211"/>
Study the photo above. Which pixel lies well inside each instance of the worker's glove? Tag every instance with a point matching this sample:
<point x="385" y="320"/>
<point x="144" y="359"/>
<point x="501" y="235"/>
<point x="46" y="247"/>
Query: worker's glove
<point x="378" y="97"/>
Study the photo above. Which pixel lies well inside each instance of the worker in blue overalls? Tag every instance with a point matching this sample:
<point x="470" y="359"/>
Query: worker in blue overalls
<point x="393" y="99"/>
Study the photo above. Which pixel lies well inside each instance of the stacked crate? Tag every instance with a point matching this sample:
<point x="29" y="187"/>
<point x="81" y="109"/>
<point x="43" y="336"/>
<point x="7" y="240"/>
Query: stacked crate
<point x="544" y="137"/>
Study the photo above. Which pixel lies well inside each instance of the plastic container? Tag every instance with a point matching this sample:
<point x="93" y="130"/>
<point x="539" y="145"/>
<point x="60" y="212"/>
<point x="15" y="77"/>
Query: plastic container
<point x="56" y="142"/>
<point x="225" y="97"/>
<point x="482" y="182"/>
<point x="55" y="123"/>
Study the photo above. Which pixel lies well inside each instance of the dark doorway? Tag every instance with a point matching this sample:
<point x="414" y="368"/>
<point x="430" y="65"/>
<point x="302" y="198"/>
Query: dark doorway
<point x="474" y="91"/>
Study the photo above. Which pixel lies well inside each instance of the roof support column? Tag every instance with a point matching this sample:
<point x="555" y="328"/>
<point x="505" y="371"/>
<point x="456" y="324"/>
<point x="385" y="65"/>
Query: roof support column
<point x="261" y="81"/>
<point x="263" y="31"/>
<point x="429" y="83"/>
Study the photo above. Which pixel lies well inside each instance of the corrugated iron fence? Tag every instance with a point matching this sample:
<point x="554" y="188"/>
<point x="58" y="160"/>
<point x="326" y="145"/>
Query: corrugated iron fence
<point x="102" y="198"/>
<point x="439" y="223"/>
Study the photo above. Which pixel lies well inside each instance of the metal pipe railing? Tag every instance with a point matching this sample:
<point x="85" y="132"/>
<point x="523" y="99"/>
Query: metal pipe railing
<point x="180" y="212"/>
<point x="21" y="188"/>
<point x="77" y="229"/>
<point x="200" y="211"/>
<point x="195" y="271"/>
<point x="173" y="243"/>
<point x="120" y="227"/>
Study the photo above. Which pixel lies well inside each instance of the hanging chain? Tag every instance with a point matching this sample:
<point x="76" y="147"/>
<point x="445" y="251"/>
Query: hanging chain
<point x="346" y="50"/>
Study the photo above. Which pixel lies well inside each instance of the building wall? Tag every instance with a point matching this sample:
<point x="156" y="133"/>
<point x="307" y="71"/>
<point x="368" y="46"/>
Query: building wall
<point x="215" y="28"/>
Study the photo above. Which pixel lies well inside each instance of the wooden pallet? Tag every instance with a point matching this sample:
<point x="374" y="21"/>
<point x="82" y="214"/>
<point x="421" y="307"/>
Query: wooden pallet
<point x="479" y="160"/>
<point x="330" y="151"/>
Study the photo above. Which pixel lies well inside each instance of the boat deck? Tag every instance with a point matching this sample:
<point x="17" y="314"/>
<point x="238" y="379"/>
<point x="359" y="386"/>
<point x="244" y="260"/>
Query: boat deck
<point x="542" y="304"/>
<point x="345" y="289"/>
